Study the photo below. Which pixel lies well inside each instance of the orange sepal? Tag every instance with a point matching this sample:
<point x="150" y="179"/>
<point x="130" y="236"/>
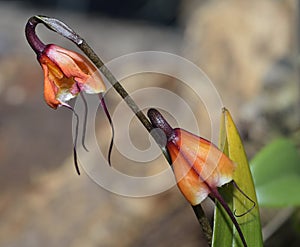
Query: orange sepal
<point x="188" y="181"/>
<point x="50" y="89"/>
<point x="198" y="165"/>
<point x="66" y="74"/>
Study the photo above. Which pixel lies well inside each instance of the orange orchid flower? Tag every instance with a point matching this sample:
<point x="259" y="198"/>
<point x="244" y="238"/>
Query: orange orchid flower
<point x="198" y="165"/>
<point x="66" y="74"/>
<point x="210" y="167"/>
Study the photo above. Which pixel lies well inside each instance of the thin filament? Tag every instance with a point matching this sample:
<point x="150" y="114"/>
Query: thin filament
<point x="85" y="121"/>
<point x="243" y="193"/>
<point x="103" y="105"/>
<point x="75" y="139"/>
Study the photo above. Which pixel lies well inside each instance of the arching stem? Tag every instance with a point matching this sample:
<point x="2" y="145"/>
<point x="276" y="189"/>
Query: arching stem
<point x="64" y="30"/>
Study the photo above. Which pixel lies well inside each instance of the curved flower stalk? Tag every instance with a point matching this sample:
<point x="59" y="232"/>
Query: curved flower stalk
<point x="66" y="74"/>
<point x="198" y="165"/>
<point x="61" y="28"/>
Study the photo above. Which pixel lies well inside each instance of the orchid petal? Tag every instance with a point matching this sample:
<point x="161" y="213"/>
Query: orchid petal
<point x="66" y="74"/>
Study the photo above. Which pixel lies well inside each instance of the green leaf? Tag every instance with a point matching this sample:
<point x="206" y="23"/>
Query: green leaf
<point x="276" y="168"/>
<point x="225" y="234"/>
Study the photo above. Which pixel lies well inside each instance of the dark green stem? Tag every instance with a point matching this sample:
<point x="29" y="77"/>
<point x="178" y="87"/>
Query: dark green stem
<point x="202" y="219"/>
<point x="64" y="30"/>
<point x="88" y="51"/>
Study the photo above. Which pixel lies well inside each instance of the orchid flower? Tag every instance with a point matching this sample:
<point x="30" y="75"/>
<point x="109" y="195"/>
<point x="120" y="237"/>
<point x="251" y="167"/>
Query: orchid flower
<point x="198" y="165"/>
<point x="66" y="74"/>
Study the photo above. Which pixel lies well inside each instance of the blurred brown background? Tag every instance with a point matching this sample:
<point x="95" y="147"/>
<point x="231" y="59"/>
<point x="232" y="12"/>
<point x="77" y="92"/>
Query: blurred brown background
<point x="249" y="49"/>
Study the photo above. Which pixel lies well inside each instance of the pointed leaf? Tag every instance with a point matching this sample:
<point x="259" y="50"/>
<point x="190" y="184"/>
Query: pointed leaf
<point x="223" y="227"/>
<point x="250" y="223"/>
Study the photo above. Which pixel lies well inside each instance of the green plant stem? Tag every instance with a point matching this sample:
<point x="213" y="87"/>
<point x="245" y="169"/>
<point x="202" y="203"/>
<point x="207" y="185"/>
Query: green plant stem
<point x="88" y="51"/>
<point x="64" y="30"/>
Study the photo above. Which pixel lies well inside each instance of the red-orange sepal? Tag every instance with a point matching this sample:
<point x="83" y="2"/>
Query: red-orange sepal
<point x="66" y="73"/>
<point x="198" y="165"/>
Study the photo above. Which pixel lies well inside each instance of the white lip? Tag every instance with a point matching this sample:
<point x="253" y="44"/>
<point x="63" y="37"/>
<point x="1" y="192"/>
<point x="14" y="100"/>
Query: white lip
<point x="64" y="96"/>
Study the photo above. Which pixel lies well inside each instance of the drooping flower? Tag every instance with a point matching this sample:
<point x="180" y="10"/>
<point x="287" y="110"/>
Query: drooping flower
<point x="210" y="167"/>
<point x="198" y="165"/>
<point x="66" y="74"/>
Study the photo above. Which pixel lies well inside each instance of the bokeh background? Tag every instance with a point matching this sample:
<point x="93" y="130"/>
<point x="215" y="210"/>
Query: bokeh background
<point x="249" y="49"/>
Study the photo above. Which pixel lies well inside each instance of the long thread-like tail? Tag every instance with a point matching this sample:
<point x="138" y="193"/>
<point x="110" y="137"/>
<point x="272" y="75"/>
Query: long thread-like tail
<point x="85" y="121"/>
<point x="243" y="193"/>
<point x="103" y="105"/>
<point x="75" y="139"/>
